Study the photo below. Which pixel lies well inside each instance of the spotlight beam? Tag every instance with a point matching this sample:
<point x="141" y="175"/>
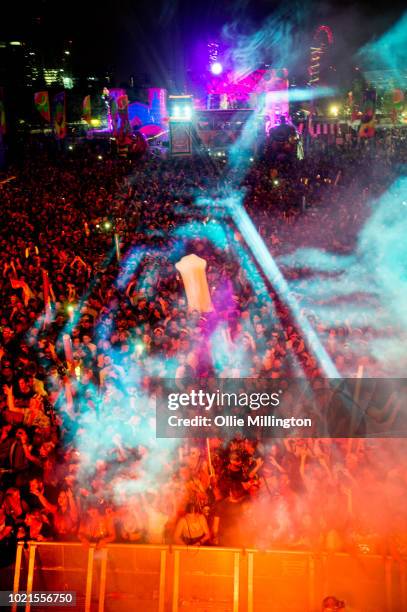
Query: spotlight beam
<point x="272" y="272"/>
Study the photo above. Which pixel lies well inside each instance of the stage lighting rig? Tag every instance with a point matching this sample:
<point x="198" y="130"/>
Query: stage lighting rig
<point x="180" y="108"/>
<point x="216" y="68"/>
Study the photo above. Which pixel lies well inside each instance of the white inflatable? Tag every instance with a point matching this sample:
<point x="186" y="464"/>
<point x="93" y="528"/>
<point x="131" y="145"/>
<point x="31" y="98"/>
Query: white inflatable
<point x="193" y="272"/>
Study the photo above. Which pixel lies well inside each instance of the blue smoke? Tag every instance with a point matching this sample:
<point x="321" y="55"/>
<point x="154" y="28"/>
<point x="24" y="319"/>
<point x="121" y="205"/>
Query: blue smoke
<point x="389" y="52"/>
<point x="275" y="40"/>
<point x="368" y="288"/>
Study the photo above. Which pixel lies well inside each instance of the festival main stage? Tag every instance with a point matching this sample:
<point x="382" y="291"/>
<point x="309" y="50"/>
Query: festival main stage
<point x="123" y="578"/>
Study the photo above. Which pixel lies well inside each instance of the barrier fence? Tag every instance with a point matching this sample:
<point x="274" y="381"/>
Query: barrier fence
<point x="123" y="577"/>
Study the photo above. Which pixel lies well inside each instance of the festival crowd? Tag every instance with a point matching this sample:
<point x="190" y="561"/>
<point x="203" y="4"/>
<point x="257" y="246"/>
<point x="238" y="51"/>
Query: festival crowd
<point x="93" y="310"/>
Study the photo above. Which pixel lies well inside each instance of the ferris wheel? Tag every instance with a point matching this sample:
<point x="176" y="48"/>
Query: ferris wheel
<point x="321" y="41"/>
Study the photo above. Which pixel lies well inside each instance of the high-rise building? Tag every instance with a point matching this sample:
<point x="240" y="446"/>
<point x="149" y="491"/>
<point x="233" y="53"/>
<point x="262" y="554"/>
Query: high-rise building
<point x="23" y="65"/>
<point x="12" y="63"/>
<point x="33" y="67"/>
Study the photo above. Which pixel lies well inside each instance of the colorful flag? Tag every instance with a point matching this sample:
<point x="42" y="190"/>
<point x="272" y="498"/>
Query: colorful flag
<point x="398" y="104"/>
<point x="123" y="110"/>
<point x="367" y="129"/>
<point x="398" y="97"/>
<point x="41" y="101"/>
<point x="122" y="104"/>
<point x="86" y="110"/>
<point x="367" y="122"/>
<point x="2" y="113"/>
<point x="60" y="116"/>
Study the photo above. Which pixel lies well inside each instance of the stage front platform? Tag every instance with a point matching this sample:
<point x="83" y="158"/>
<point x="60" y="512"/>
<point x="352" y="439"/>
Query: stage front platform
<point x="123" y="578"/>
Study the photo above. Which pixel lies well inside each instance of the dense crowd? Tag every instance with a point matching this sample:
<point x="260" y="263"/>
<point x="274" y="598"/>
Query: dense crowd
<point x="92" y="309"/>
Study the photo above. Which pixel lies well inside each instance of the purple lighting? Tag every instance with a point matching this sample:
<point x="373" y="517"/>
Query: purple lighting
<point x="216" y="68"/>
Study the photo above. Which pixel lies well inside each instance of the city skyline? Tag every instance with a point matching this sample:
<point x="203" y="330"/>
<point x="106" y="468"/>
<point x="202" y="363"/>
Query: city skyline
<point x="163" y="39"/>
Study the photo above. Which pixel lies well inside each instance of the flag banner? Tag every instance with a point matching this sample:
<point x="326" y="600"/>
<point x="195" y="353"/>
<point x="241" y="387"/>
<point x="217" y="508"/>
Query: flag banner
<point x="86" y="110"/>
<point x="122" y="104"/>
<point x="398" y="98"/>
<point x="119" y="104"/>
<point x="123" y="111"/>
<point x="367" y="129"/>
<point x="41" y="101"/>
<point x="398" y="104"/>
<point x="2" y="113"/>
<point x="114" y="95"/>
<point x="60" y="116"/>
<point x="367" y="122"/>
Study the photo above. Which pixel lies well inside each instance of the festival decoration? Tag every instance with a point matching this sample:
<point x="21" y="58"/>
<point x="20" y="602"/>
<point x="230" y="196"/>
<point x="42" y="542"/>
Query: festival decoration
<point x="193" y="272"/>
<point x="122" y="109"/>
<point x="367" y="123"/>
<point x="86" y="110"/>
<point x="60" y="116"/>
<point x="398" y="104"/>
<point x="322" y="40"/>
<point x="41" y="101"/>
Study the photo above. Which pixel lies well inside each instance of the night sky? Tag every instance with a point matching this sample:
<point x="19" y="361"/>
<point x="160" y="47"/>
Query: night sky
<point x="163" y="37"/>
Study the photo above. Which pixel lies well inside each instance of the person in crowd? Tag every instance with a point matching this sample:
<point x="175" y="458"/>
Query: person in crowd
<point x="37" y="526"/>
<point x="39" y="496"/>
<point x="65" y="516"/>
<point x="192" y="529"/>
<point x="15" y="510"/>
<point x="132" y="519"/>
<point x="230" y="518"/>
<point x="330" y="604"/>
<point x="95" y="526"/>
<point x="7" y="539"/>
<point x="83" y="337"/>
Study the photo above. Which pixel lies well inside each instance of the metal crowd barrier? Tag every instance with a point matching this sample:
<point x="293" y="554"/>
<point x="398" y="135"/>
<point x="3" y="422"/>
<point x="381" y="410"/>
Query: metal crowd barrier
<point x="125" y="577"/>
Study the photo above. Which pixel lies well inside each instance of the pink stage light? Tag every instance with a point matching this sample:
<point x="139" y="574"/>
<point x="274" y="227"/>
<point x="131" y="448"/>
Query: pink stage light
<point x="216" y="68"/>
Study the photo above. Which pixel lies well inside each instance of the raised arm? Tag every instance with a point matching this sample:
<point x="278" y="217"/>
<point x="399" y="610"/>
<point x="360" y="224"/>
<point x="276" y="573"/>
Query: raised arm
<point x="8" y="390"/>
